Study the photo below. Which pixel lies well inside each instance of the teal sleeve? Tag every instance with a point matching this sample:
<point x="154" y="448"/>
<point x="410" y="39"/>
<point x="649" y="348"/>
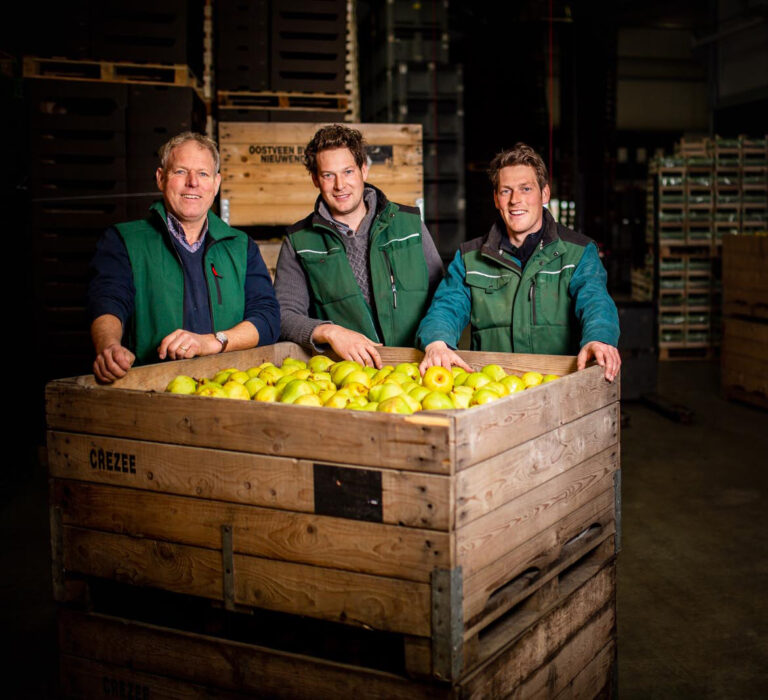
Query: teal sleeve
<point x="593" y="306"/>
<point x="449" y="312"/>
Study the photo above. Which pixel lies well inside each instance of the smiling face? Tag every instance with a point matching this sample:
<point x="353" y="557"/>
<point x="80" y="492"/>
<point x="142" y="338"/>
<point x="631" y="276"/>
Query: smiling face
<point x="341" y="182"/>
<point x="189" y="185"/>
<point x="519" y="200"/>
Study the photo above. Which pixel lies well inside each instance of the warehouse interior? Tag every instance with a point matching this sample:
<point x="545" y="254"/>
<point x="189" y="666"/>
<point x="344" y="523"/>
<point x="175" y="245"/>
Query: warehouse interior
<point x="652" y="119"/>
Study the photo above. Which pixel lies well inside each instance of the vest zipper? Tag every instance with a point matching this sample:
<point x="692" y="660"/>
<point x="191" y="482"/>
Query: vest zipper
<point x="532" y="298"/>
<point x="391" y="279"/>
<point x="216" y="276"/>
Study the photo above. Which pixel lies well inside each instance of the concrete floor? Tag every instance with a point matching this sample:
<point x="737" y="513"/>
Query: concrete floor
<point x="693" y="573"/>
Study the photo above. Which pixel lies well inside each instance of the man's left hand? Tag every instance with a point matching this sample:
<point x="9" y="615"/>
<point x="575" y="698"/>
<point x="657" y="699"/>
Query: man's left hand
<point x="182" y="345"/>
<point x="605" y="355"/>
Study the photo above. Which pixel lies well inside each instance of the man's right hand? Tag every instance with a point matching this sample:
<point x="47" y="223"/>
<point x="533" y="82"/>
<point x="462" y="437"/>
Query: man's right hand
<point x="113" y="362"/>
<point x="439" y="354"/>
<point x="349" y="345"/>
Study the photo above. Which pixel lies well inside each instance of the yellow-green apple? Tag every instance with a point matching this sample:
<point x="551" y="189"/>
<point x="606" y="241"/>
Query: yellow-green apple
<point x="513" y="383"/>
<point x="495" y="372"/>
<point x="476" y="380"/>
<point x="182" y="384"/>
<point x="396" y="404"/>
<point x="483" y="396"/>
<point x="437" y="401"/>
<point x="236" y="390"/>
<point x="308" y="400"/>
<point x="532" y="379"/>
<point x="438" y="378"/>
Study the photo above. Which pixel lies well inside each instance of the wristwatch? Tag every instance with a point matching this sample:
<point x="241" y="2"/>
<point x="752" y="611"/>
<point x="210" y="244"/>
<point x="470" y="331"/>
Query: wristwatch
<point x="222" y="338"/>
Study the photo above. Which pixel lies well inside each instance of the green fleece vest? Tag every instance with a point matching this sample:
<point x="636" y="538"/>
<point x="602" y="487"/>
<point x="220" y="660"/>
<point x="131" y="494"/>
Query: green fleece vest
<point x="399" y="276"/>
<point x="159" y="279"/>
<point x="528" y="311"/>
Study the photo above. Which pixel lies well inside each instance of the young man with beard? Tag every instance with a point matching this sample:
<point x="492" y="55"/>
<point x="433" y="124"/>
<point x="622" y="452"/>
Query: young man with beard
<point x="359" y="271"/>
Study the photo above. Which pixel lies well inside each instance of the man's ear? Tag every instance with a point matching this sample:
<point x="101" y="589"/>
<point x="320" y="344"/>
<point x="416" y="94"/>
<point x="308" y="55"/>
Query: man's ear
<point x="159" y="176"/>
<point x="545" y="194"/>
<point x="315" y="181"/>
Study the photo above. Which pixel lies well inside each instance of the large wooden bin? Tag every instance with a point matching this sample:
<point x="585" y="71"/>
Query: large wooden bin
<point x="460" y="534"/>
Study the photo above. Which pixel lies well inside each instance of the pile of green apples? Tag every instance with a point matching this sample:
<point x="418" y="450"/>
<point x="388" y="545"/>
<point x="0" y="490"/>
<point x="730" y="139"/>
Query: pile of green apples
<point x="347" y="384"/>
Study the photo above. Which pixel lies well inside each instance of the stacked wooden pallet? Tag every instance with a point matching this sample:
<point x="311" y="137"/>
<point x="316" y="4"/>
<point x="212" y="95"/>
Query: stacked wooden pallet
<point x="288" y="551"/>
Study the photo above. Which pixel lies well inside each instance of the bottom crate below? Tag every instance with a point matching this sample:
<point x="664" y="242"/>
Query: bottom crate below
<point x="568" y="652"/>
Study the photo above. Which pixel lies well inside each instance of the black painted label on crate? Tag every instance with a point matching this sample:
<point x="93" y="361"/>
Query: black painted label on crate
<point x="348" y="493"/>
<point x="272" y="153"/>
<point x="379" y="154"/>
<point x="119" y="688"/>
<point x="109" y="461"/>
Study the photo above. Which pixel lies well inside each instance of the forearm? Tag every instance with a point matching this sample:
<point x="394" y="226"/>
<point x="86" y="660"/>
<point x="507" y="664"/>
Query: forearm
<point x="593" y="305"/>
<point x="261" y="307"/>
<point x="106" y="330"/>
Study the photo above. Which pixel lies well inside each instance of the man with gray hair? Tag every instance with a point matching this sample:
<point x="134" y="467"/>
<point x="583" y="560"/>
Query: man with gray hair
<point x="181" y="282"/>
<point x="359" y="271"/>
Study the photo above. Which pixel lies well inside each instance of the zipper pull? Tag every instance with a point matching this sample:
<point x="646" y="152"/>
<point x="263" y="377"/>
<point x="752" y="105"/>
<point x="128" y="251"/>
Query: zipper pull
<point x="394" y="289"/>
<point x="215" y="274"/>
<point x="530" y="289"/>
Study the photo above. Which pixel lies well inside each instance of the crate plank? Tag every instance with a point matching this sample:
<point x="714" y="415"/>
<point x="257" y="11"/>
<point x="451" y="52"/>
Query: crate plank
<point x="388" y="604"/>
<point x="301" y="133"/>
<point x="501" y="676"/>
<point x="481" y="542"/>
<point x="510" y="578"/>
<point x="224" y="664"/>
<point x="282" y="430"/>
<point x="531" y="413"/>
<point x="495" y="481"/>
<point x="410" y="499"/>
<point x="338" y="543"/>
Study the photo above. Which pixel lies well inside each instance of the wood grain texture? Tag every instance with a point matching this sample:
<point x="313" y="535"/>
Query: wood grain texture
<point x="248" y="133"/>
<point x="595" y="678"/>
<point x="485" y="431"/>
<point x="495" y="481"/>
<point x="527" y="653"/>
<point x="380" y="440"/>
<point x="491" y="536"/>
<point x="337" y="543"/>
<point x="510" y="578"/>
<point x="224" y="664"/>
<point x="329" y="594"/>
<point x="408" y="498"/>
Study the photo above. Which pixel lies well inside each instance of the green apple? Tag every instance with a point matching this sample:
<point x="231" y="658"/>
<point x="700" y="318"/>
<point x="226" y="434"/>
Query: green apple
<point x="409" y="368"/>
<point x="476" y="380"/>
<point x="459" y="375"/>
<point x="338" y="400"/>
<point x="498" y="387"/>
<point x="239" y="377"/>
<point x="483" y="396"/>
<point x="438" y="379"/>
<point x="532" y="379"/>
<point x="308" y="400"/>
<point x="513" y="383"/>
<point x="319" y="363"/>
<point x="291" y="363"/>
<point x="253" y="385"/>
<point x="399" y="377"/>
<point x="460" y="399"/>
<point x="210" y="389"/>
<point x="271" y="374"/>
<point x="396" y="404"/>
<point x="549" y="378"/>
<point x="267" y="393"/>
<point x="342" y="369"/>
<point x="495" y="372"/>
<point x="418" y="392"/>
<point x="357" y="376"/>
<point x="253" y="371"/>
<point x="236" y="390"/>
<point x="182" y="384"/>
<point x="382" y="374"/>
<point x="413" y="404"/>
<point x="381" y="392"/>
<point x="294" y="389"/>
<point x="437" y="401"/>
<point x="222" y="376"/>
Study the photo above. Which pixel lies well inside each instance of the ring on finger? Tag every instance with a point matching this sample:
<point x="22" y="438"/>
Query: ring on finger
<point x="184" y="348"/>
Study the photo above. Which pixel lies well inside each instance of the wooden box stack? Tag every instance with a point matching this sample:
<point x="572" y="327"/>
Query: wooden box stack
<point x="745" y="319"/>
<point x="264" y="181"/>
<point x="289" y="551"/>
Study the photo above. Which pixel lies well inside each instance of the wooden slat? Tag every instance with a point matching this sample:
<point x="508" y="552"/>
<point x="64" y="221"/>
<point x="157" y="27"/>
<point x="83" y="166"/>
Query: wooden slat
<point x="524" y="655"/>
<point x="337" y="543"/>
<point x="301" y="133"/>
<point x="247" y="197"/>
<point x="488" y="538"/>
<point x="410" y="499"/>
<point x="250" y="426"/>
<point x="581" y="668"/>
<point x="487" y="430"/>
<point x="225" y="664"/>
<point x="341" y="596"/>
<point x="510" y="578"/>
<point x="495" y="481"/>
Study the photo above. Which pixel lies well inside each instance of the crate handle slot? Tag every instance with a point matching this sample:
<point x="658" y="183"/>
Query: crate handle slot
<point x="586" y="533"/>
<point x="515" y="585"/>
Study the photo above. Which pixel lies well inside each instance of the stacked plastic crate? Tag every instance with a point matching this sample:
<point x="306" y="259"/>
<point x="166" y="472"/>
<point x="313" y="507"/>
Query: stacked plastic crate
<point x="407" y="77"/>
<point x="98" y="106"/>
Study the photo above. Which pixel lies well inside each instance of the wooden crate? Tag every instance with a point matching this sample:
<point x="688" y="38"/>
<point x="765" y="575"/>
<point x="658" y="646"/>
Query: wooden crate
<point x="745" y="276"/>
<point x="432" y="527"/>
<point x="264" y="181"/>
<point x="568" y="651"/>
<point x="744" y="363"/>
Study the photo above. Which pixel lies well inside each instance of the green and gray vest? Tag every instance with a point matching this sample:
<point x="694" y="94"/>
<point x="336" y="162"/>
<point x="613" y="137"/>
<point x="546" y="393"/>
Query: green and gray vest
<point x="528" y="310"/>
<point x="399" y="276"/>
<point x="159" y="279"/>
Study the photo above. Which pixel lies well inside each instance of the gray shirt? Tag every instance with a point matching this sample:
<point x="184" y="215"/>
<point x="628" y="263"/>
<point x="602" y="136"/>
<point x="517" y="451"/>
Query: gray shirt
<point x="292" y="285"/>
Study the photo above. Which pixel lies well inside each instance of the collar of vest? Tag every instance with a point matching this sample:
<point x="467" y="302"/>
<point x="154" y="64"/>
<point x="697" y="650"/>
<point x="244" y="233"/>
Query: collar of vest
<point x="491" y="246"/>
<point x="217" y="229"/>
<point x="319" y="220"/>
